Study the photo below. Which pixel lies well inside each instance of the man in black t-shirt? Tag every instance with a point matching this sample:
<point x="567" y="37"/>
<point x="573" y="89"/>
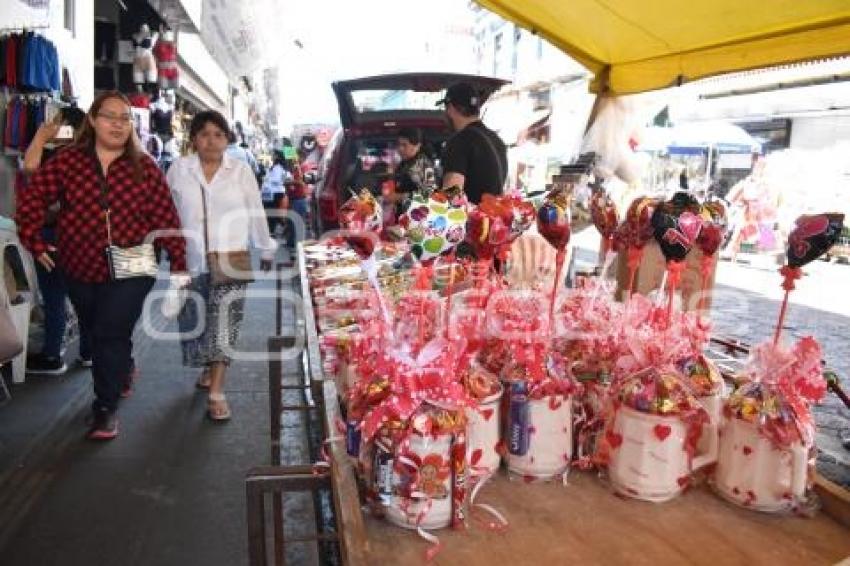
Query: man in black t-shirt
<point x="474" y="158"/>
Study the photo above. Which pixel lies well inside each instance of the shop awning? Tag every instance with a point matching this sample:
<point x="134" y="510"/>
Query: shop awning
<point x="634" y="46"/>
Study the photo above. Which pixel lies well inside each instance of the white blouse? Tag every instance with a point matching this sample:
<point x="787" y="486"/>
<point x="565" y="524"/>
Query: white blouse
<point x="235" y="215"/>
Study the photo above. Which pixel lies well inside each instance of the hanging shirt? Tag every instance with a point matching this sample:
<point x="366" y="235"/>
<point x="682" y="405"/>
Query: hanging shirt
<point x="235" y="215"/>
<point x="137" y="210"/>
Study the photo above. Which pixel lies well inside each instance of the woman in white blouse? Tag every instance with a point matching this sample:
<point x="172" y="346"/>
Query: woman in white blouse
<point x="212" y="184"/>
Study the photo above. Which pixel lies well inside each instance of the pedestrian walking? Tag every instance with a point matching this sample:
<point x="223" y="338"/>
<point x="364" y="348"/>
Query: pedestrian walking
<point x="114" y="201"/>
<point x="274" y="191"/>
<point x="219" y="203"/>
<point x="296" y="195"/>
<point x="51" y="284"/>
<point x="475" y="158"/>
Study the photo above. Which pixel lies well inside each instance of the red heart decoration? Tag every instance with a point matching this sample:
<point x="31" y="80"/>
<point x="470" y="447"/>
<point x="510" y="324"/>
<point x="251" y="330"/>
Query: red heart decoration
<point x="476" y="457"/>
<point x="683" y="481"/>
<point x="690" y="225"/>
<point x="487" y="414"/>
<point x="662" y="431"/>
<point x="747" y="450"/>
<point x="501" y="448"/>
<point x="554" y="404"/>
<point x="614" y="439"/>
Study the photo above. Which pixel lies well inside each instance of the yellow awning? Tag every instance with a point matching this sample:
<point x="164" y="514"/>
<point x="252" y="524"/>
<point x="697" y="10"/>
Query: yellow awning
<point x="638" y="45"/>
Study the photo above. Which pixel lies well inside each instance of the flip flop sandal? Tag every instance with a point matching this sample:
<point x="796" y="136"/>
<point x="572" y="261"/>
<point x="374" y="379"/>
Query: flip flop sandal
<point x="217" y="408"/>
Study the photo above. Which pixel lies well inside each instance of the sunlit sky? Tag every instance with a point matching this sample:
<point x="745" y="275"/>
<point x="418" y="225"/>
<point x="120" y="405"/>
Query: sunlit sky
<point x="347" y="39"/>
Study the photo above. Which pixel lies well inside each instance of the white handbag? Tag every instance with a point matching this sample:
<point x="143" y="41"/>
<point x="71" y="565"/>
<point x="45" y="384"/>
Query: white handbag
<point x="126" y="263"/>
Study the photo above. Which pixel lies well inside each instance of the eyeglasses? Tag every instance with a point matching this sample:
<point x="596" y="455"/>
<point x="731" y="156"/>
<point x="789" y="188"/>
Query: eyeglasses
<point x="121" y="119"/>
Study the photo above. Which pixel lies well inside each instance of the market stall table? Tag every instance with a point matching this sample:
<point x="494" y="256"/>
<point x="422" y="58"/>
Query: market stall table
<point x="582" y="521"/>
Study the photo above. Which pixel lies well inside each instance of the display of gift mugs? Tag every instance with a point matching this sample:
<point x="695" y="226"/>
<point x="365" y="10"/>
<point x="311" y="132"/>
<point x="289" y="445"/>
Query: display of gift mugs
<point x="755" y="473"/>
<point x="648" y="459"/>
<point x="483" y="435"/>
<point x="419" y="485"/>
<point x="538" y="433"/>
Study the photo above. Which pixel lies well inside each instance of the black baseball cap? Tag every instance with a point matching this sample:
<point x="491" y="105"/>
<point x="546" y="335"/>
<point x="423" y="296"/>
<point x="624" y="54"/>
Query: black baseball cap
<point x="462" y="95"/>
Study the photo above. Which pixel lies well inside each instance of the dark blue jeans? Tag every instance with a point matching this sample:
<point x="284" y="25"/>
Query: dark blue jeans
<point x="53" y="293"/>
<point x="301" y="207"/>
<point x="109" y="312"/>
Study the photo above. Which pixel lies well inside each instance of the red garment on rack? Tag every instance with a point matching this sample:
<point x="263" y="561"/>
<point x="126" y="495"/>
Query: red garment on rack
<point x="166" y="58"/>
<point x="139" y="100"/>
<point x="12" y="61"/>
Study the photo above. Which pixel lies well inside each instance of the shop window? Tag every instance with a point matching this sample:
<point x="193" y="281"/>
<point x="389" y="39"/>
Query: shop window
<point x="71" y="16"/>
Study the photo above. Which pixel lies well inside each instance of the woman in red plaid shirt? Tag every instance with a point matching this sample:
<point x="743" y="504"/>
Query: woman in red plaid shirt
<point x="139" y="204"/>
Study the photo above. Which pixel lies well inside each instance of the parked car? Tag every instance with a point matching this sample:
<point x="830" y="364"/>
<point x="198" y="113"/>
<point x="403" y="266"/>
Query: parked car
<point x="372" y="110"/>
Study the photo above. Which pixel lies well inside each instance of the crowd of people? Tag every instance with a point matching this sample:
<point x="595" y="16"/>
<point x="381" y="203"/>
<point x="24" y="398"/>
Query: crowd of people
<point x="98" y="215"/>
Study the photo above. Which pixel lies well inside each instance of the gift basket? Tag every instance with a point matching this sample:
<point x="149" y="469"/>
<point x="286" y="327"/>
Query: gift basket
<point x="768" y="434"/>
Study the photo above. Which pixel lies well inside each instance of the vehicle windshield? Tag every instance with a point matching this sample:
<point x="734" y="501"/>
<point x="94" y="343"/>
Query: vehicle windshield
<point x="389" y="100"/>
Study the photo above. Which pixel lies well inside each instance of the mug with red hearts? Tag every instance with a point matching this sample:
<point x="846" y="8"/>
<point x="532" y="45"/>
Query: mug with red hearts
<point x="538" y="433"/>
<point x="648" y="456"/>
<point x="652" y="433"/>
<point x="755" y="473"/>
<point x="483" y="422"/>
<point x="419" y="482"/>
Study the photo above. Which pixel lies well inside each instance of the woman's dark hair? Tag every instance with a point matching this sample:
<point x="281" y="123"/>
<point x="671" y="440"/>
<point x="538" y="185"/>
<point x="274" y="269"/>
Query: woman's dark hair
<point x="201" y="119"/>
<point x="413" y="135"/>
<point x="87" y="138"/>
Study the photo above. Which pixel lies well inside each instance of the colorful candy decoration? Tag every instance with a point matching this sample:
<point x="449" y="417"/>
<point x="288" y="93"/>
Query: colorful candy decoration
<point x="676" y="229"/>
<point x="603" y="212"/>
<point x="633" y="234"/>
<point x="496" y="223"/>
<point x="553" y="219"/>
<point x="553" y="223"/>
<point x="811" y="237"/>
<point x="361" y="218"/>
<point x="434" y="225"/>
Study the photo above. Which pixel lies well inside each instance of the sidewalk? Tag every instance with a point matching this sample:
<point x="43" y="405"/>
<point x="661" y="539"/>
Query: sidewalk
<point x="168" y="491"/>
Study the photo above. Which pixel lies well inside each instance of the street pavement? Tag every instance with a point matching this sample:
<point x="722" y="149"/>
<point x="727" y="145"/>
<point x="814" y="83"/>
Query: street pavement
<point x="169" y="490"/>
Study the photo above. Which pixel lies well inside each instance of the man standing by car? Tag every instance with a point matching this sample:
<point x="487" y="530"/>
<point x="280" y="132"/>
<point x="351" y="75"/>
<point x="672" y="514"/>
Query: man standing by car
<point x="474" y="158"/>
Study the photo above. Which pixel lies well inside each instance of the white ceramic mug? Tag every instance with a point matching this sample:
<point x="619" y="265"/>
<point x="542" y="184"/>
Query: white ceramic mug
<point x="436" y="509"/>
<point x="550" y="439"/>
<point x="648" y="459"/>
<point x="754" y="473"/>
<point x="483" y="435"/>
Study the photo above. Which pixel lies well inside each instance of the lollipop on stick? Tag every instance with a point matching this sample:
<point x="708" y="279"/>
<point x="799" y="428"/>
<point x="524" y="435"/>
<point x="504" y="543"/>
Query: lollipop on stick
<point x="553" y="223"/>
<point x="709" y="240"/>
<point x="811" y="237"/>
<point x="603" y="212"/>
<point x="361" y="219"/>
<point x="675" y="235"/>
<point x="633" y="234"/>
